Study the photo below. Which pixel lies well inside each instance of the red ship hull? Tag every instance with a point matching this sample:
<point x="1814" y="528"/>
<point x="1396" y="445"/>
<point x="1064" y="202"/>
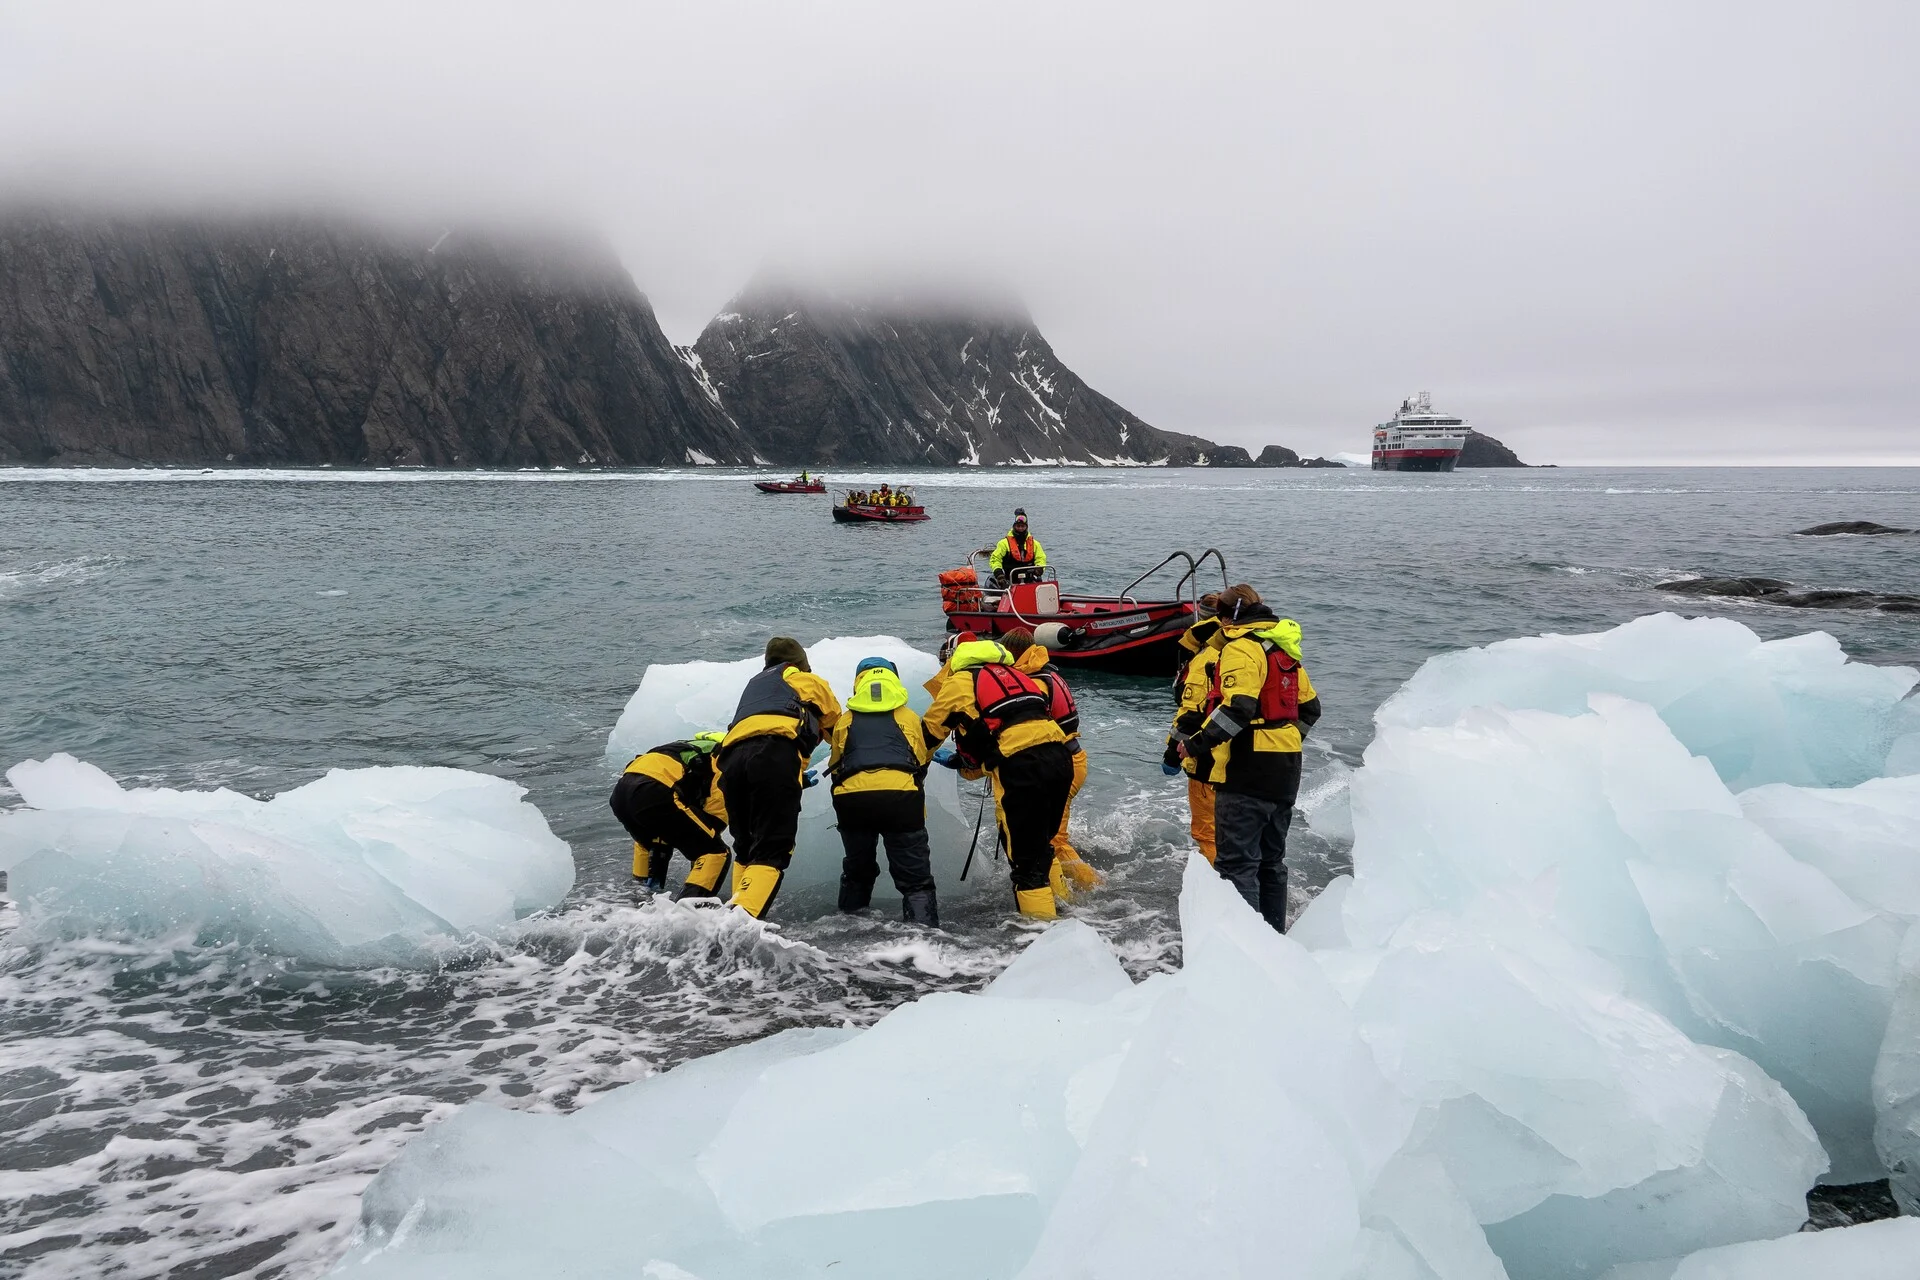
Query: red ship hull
<point x="787" y="486"/>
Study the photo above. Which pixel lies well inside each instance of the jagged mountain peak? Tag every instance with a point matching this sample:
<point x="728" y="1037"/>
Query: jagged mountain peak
<point x="911" y="375"/>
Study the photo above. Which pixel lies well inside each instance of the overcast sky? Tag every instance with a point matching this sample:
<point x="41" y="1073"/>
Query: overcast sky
<point x="1608" y="232"/>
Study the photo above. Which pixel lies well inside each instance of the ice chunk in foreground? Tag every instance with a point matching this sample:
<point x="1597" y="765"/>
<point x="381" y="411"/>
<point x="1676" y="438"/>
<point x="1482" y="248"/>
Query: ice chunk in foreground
<point x="1238" y="1118"/>
<point x="1888" y="1250"/>
<point x="1793" y="710"/>
<point x="1896" y="1084"/>
<point x="358" y="867"/>
<point x="676" y="700"/>
<point x="1865" y="838"/>
<point x="1606" y="829"/>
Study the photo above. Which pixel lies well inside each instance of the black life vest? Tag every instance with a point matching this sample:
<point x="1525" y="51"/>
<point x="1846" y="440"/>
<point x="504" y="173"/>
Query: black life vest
<point x="875" y="741"/>
<point x="1007" y="697"/>
<point x="1019" y="550"/>
<point x="769" y="694"/>
<point x="1279" y="692"/>
<point x="1060" y="703"/>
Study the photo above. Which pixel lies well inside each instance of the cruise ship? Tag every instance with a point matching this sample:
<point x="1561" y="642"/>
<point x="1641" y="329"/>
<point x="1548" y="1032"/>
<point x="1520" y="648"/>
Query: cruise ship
<point x="1418" y="439"/>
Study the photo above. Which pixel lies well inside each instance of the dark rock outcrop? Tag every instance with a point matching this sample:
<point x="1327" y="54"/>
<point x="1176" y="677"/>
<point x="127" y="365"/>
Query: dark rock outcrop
<point x="815" y="379"/>
<point x="1277" y="455"/>
<point x="1320" y="462"/>
<point x="295" y="340"/>
<point x="1857" y="527"/>
<point x="1227" y="455"/>
<point x="1483" y="450"/>
<point x="1775" y="591"/>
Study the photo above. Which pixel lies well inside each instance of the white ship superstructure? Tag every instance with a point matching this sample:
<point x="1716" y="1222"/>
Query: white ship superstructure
<point x="1419" y="439"/>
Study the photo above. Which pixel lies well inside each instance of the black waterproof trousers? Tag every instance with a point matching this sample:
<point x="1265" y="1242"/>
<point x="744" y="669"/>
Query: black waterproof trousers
<point x="1032" y="788"/>
<point x="760" y="780"/>
<point x="647" y="809"/>
<point x="1250" y="849"/>
<point x="900" y="817"/>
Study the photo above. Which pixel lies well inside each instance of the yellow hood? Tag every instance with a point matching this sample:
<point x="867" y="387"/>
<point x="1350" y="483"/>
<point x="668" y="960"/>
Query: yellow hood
<point x="877" y="689"/>
<point x="976" y="653"/>
<point x="1283" y="635"/>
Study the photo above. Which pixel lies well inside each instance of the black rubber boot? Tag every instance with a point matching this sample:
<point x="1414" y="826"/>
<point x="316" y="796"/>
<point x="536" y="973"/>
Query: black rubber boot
<point x="919" y="907"/>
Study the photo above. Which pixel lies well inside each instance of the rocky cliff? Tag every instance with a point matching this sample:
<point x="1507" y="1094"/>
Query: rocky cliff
<point x="817" y="380"/>
<point x="301" y="341"/>
<point x="1484" y="451"/>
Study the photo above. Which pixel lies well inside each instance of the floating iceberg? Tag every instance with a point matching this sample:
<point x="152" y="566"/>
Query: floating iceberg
<point x="1606" y="829"/>
<point x="1793" y="710"/>
<point x="359" y="867"/>
<point x="1887" y="1250"/>
<point x="677" y="700"/>
<point x="1237" y="1118"/>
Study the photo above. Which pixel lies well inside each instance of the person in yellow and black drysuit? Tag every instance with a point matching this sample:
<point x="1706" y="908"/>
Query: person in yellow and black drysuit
<point x="666" y="800"/>
<point x="763" y="768"/>
<point x="1190" y="693"/>
<point x="879" y="768"/>
<point x="1070" y="871"/>
<point x="1260" y="705"/>
<point x="1018" y="550"/>
<point x="1000" y="719"/>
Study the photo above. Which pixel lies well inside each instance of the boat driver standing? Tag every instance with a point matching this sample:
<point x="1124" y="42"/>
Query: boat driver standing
<point x="1018" y="550"/>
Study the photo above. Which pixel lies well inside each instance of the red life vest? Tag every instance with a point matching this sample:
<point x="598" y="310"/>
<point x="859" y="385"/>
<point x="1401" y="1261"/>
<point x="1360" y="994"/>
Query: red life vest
<point x="1007" y="697"/>
<point x="1019" y="550"/>
<point x="1060" y="703"/>
<point x="1279" y="692"/>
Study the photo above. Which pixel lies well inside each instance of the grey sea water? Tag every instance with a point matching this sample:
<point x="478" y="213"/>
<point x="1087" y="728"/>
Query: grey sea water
<point x="184" y="1107"/>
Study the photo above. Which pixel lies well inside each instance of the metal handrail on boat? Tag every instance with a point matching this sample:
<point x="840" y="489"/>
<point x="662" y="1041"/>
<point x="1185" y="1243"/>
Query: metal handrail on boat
<point x="1192" y="574"/>
<point x="1126" y="592"/>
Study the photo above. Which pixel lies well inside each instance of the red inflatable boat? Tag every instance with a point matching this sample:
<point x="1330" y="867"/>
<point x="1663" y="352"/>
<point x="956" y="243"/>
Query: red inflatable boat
<point x="897" y="506"/>
<point x="1121" y="632"/>
<point x="790" y="486"/>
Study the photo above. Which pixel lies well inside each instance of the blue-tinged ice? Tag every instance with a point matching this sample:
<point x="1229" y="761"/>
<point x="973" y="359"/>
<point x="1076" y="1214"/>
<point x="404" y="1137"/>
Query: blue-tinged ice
<point x="363" y="866"/>
<point x="1793" y="710"/>
<point x="1887" y="1250"/>
<point x="1896" y="1084"/>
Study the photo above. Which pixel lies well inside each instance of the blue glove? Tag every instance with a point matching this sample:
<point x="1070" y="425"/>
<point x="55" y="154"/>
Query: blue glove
<point x="946" y="757"/>
<point x="1171" y="770"/>
<point x="810" y="778"/>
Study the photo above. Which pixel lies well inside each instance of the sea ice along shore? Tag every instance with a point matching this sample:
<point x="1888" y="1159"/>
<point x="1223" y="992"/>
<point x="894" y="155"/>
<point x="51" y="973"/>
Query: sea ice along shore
<point x="360" y="867"/>
<point x="1616" y="979"/>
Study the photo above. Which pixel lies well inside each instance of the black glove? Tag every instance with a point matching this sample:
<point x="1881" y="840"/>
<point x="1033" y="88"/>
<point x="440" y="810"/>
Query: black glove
<point x="1170" y="758"/>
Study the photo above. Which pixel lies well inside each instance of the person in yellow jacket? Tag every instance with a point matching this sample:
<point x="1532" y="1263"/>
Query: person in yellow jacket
<point x="879" y="768"/>
<point x="763" y="768"/>
<point x="1018" y="550"/>
<point x="1070" y="871"/>
<point x="1259" y="707"/>
<point x="1195" y="684"/>
<point x="1001" y="720"/>
<point x="667" y="800"/>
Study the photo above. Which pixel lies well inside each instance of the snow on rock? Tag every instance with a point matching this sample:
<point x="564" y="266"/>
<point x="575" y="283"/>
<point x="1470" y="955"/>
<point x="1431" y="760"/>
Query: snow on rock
<point x="1793" y="710"/>
<point x="676" y="700"/>
<point x="362" y="866"/>
<point x="1888" y="1250"/>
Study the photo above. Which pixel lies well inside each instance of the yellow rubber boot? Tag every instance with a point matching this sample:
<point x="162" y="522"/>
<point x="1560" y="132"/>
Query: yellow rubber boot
<point x="1058" y="882"/>
<point x="703" y="878"/>
<point x="754" y="888"/>
<point x="641" y="861"/>
<point x="1036" y="904"/>
<point x="1079" y="876"/>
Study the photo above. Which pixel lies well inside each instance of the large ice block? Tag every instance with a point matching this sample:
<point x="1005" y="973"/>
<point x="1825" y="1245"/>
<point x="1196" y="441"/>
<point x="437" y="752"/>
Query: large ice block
<point x="1604" y="827"/>
<point x="1896" y="1083"/>
<point x="1793" y="710"/>
<point x="1887" y="1250"/>
<point x="361" y="866"/>
<point x="677" y="700"/>
<point x="1865" y="838"/>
